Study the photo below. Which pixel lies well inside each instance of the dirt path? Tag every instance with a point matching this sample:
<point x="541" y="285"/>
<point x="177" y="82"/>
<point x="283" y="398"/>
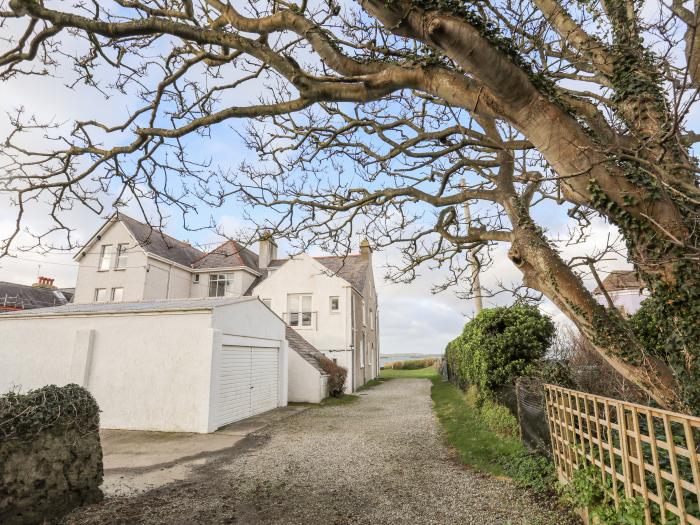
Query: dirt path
<point x="379" y="460"/>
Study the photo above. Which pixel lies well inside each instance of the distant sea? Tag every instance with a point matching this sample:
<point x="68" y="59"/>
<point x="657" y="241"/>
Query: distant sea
<point x="390" y="358"/>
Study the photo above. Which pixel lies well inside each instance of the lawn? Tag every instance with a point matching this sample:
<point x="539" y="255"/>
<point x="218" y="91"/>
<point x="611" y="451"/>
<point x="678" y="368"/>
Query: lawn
<point x="426" y="373"/>
<point x="476" y="445"/>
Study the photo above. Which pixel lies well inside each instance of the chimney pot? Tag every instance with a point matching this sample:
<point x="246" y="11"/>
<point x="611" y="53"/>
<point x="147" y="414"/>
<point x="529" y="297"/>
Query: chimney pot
<point x="44" y="282"/>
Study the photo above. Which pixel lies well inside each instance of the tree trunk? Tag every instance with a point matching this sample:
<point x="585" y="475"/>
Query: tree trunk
<point x="544" y="270"/>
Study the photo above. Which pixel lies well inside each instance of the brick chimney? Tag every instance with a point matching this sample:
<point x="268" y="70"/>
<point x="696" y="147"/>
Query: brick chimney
<point x="44" y="282"/>
<point x="365" y="249"/>
<point x="267" y="250"/>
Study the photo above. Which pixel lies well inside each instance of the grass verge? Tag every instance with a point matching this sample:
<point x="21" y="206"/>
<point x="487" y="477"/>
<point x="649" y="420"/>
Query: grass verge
<point x="425" y="373"/>
<point x="369" y="384"/>
<point x="333" y="401"/>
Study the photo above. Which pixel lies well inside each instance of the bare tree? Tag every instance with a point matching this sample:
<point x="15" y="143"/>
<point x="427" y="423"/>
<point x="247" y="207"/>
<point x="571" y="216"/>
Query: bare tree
<point x="368" y="115"/>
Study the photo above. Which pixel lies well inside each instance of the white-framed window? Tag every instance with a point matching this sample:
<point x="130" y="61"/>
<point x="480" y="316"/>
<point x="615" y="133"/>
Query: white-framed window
<point x="219" y="284"/>
<point x="299" y="309"/>
<point x="195" y="279"/>
<point x="117" y="295"/>
<point x="122" y="254"/>
<point x="100" y="295"/>
<point x="267" y="302"/>
<point x="334" y="304"/>
<point x="105" y="258"/>
<point x="362" y="352"/>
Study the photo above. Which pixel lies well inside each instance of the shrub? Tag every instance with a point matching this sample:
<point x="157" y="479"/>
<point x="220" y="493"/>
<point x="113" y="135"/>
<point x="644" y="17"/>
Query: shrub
<point x="336" y="376"/>
<point x="531" y="471"/>
<point x="591" y="373"/>
<point x="499" y="419"/>
<point x="24" y="416"/>
<point x="498" y="346"/>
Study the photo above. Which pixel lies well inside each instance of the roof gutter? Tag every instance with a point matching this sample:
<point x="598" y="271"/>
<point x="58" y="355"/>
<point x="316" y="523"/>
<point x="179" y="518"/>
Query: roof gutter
<point x="105" y="313"/>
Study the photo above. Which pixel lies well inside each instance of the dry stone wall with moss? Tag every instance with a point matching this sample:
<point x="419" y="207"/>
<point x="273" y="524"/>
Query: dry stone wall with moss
<point x="50" y="453"/>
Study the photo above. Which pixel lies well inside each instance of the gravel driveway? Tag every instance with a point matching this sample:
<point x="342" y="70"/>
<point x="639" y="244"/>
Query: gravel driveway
<point x="378" y="460"/>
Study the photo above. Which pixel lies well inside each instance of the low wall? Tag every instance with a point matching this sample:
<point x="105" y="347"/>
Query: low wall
<point x="50" y="453"/>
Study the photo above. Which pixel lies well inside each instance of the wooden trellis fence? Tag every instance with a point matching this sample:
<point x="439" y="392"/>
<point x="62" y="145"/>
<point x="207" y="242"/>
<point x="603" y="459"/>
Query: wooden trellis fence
<point x="639" y="451"/>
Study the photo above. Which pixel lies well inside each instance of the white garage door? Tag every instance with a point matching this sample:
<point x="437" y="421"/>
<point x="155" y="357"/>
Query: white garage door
<point x="248" y="382"/>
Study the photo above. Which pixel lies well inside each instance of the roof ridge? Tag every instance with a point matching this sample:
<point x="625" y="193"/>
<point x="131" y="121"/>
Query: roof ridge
<point x="204" y="254"/>
<point x="337" y="256"/>
<point x="158" y="231"/>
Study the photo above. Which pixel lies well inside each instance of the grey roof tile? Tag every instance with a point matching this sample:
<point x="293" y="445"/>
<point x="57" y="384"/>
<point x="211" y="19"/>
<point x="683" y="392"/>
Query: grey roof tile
<point x="229" y="254"/>
<point x="25" y="297"/>
<point x="159" y="243"/>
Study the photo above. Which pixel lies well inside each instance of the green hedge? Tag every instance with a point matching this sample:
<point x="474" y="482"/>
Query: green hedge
<point x="23" y="416"/>
<point x="497" y="346"/>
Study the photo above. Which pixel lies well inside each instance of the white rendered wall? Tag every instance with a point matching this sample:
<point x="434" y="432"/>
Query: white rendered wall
<point x="306" y="384"/>
<point x="131" y="279"/>
<point x="165" y="281"/>
<point x="147" y="372"/>
<point x="629" y="300"/>
<point x="303" y="275"/>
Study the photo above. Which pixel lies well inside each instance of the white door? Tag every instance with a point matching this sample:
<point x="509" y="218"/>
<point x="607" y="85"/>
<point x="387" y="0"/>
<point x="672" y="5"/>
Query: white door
<point x="264" y="379"/>
<point x="234" y="384"/>
<point x="248" y="382"/>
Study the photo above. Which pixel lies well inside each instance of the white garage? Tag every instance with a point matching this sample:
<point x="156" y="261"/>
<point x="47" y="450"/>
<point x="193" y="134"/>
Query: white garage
<point x="247" y="382"/>
<point x="190" y="365"/>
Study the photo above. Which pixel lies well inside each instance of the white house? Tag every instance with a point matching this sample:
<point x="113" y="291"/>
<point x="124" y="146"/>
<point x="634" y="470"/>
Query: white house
<point x="625" y="290"/>
<point x="330" y="301"/>
<point x="175" y="365"/>
<point x="156" y="325"/>
<point x="127" y="260"/>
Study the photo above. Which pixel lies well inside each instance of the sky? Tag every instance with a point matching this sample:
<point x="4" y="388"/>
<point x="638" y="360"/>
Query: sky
<point x="412" y="319"/>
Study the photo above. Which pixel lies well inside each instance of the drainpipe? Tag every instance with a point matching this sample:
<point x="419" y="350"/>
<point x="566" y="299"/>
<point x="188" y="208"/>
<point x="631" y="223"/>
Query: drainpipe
<point x="167" y="286"/>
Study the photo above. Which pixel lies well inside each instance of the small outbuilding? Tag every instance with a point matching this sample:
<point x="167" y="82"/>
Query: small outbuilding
<point x="188" y="365"/>
<point x="308" y="382"/>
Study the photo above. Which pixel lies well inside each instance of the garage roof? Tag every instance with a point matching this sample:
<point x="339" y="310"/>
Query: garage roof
<point x="208" y="303"/>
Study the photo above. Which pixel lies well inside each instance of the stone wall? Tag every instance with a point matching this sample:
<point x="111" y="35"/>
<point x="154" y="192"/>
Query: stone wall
<point x="50" y="453"/>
